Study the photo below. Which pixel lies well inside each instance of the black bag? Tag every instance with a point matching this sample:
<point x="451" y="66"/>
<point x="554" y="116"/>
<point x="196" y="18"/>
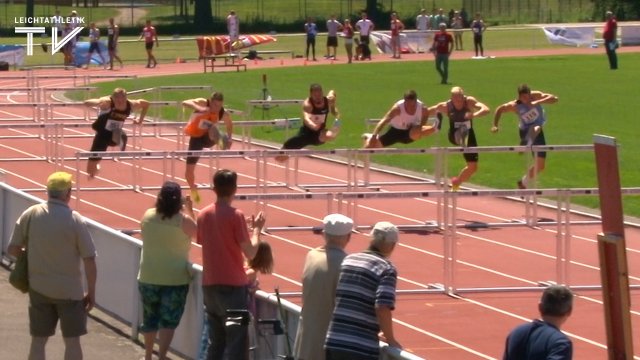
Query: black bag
<point x="4" y="66"/>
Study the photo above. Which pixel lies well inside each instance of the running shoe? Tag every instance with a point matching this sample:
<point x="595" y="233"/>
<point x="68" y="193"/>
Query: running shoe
<point x="224" y="143"/>
<point x="123" y="141"/>
<point x="521" y="185"/>
<point x="460" y="136"/>
<point x="455" y="183"/>
<point x="195" y="196"/>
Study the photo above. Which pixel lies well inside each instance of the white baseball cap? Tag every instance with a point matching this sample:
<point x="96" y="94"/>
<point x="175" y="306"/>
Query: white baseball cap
<point x="385" y="230"/>
<point x="337" y="224"/>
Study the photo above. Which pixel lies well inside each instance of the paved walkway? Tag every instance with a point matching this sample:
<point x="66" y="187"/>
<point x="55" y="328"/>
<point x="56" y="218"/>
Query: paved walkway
<point x="107" y="338"/>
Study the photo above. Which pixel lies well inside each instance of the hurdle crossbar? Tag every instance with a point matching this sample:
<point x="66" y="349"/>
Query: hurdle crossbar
<point x="274" y="102"/>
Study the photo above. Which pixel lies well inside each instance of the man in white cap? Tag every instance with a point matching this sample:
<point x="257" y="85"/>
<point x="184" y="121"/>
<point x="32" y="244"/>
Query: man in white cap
<point x="57" y="241"/>
<point x="319" y="281"/>
<point x="365" y="297"/>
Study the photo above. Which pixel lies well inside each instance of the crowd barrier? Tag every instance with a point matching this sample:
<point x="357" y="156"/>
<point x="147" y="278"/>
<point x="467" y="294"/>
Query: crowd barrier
<point x="117" y="293"/>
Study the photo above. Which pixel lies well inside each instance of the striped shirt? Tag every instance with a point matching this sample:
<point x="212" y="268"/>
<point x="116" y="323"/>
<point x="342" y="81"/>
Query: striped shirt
<point x="367" y="280"/>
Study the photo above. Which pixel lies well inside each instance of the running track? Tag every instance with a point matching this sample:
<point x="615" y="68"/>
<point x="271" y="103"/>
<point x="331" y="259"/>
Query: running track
<point x="434" y="326"/>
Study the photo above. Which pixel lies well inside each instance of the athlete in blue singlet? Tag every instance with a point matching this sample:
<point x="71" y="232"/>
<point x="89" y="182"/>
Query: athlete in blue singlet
<point x="531" y="119"/>
<point x="461" y="111"/>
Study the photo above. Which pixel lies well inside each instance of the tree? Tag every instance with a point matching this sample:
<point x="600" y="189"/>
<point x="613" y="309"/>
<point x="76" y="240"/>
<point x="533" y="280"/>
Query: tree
<point x="202" y="16"/>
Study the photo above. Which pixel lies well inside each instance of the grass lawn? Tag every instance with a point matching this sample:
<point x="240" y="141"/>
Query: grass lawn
<point x="593" y="100"/>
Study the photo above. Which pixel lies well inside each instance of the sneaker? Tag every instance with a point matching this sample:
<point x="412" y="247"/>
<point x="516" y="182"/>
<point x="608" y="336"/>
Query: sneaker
<point x="123" y="141"/>
<point x="460" y="136"/>
<point x="195" y="196"/>
<point x="521" y="185"/>
<point x="224" y="142"/>
<point x="337" y="124"/>
<point x="455" y="183"/>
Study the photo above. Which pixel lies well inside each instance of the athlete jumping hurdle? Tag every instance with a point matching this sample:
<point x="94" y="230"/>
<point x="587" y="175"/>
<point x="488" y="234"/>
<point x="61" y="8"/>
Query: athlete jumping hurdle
<point x="315" y="110"/>
<point x="114" y="110"/>
<point x="408" y="123"/>
<point x="531" y="116"/>
<point x="203" y="132"/>
<point x="461" y="110"/>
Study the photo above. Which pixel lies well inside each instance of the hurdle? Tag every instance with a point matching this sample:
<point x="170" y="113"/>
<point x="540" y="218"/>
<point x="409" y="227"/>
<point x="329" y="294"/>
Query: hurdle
<point x="44" y="91"/>
<point x="261" y="200"/>
<point x="38" y="111"/>
<point x="32" y="93"/>
<point x="50" y="148"/>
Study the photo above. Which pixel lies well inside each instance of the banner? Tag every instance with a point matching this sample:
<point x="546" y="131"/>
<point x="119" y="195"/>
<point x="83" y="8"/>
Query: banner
<point x="630" y="35"/>
<point x="12" y="54"/>
<point x="410" y="41"/>
<point x="570" y="36"/>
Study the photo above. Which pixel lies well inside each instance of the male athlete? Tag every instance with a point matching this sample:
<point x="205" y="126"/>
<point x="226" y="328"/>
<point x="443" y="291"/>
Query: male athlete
<point x="313" y="131"/>
<point x="203" y="132"/>
<point x="461" y="111"/>
<point x="114" y="110"/>
<point x="531" y="118"/>
<point x="408" y="122"/>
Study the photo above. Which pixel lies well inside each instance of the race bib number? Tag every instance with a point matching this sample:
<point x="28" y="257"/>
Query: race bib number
<point x="459" y="124"/>
<point x="530" y="116"/>
<point x="114" y="125"/>
<point x="205" y="124"/>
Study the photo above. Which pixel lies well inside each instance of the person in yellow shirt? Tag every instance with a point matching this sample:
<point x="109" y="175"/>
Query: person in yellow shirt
<point x="203" y="132"/>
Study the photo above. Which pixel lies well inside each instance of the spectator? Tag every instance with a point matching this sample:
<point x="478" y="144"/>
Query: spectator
<point x="58" y="22"/>
<point x="233" y="27"/>
<point x="465" y="17"/>
<point x="94" y="44"/>
<point x="113" y="33"/>
<point x="163" y="279"/>
<point x="442" y="47"/>
<point x="333" y="26"/>
<point x="478" y="28"/>
<point x="439" y="18"/>
<point x="149" y="34"/>
<point x="319" y="282"/>
<point x="365" y="27"/>
<point x="347" y="32"/>
<point x="397" y="27"/>
<point x="311" y="29"/>
<point x="542" y="339"/>
<point x="610" y="37"/>
<point x="261" y="263"/>
<point x="225" y="238"/>
<point x="458" y="25"/>
<point x="423" y="25"/>
<point x="365" y="297"/>
<point x="70" y="47"/>
<point x="57" y="241"/>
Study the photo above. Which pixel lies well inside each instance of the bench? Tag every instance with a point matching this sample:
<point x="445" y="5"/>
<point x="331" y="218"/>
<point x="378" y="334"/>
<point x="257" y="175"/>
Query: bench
<point x="230" y="60"/>
<point x="269" y="52"/>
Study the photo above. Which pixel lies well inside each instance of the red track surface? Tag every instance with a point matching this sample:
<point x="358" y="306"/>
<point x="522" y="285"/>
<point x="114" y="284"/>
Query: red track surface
<point x="435" y="326"/>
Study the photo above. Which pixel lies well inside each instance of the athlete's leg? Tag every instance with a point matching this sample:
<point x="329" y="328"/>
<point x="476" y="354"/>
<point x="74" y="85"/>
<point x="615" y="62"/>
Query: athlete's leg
<point x="72" y="348"/>
<point x="419" y="131"/>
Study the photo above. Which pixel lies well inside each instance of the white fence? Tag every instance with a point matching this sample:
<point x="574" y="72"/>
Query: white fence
<point x="117" y="290"/>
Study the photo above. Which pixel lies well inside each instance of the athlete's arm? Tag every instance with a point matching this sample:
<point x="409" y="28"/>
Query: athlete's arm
<point x="198" y="104"/>
<point x="425" y="115"/>
<point x="102" y="103"/>
<point x="543" y="98"/>
<point x="438" y="108"/>
<point x="143" y="106"/>
<point x="331" y="97"/>
<point x="507" y="107"/>
<point x="478" y="108"/>
<point x="394" y="111"/>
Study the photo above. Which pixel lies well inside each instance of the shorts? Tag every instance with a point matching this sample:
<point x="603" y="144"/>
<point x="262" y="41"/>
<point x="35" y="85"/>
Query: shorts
<point x="471" y="142"/>
<point x="94" y="47"/>
<point x="539" y="140"/>
<point x="394" y="135"/>
<point x="197" y="144"/>
<point x="111" y="46"/>
<point x="304" y="137"/>
<point x="332" y="41"/>
<point x="148" y="45"/>
<point x="162" y="306"/>
<point x="44" y="313"/>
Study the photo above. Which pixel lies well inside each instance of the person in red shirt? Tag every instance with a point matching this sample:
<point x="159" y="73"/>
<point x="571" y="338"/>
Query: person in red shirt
<point x="396" y="27"/>
<point x="610" y="37"/>
<point x="226" y="242"/>
<point x="442" y="48"/>
<point x="149" y="34"/>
